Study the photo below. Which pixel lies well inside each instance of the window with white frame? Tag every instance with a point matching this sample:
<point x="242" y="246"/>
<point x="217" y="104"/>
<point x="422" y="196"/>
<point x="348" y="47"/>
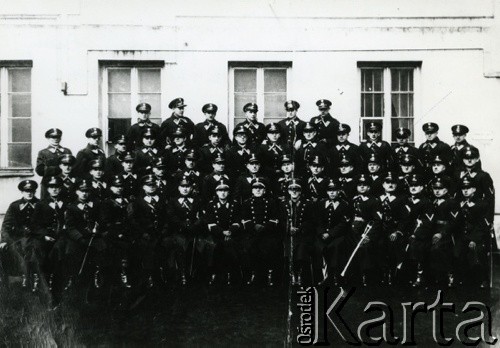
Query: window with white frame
<point x="123" y="86"/>
<point x="15" y="115"/>
<point x="388" y="97"/>
<point x="263" y="83"/>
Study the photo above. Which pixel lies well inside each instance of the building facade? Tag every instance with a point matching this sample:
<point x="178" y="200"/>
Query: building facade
<point x="78" y="64"/>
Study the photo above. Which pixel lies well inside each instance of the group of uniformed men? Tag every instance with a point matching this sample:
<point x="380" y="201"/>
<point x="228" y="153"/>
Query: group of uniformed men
<point x="181" y="198"/>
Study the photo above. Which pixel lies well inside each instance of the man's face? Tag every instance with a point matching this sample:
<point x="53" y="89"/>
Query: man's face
<point x="97" y="173"/>
<point x="344" y="170"/>
<point x="439" y="192"/>
<point x="362" y="188"/>
<point x="431" y="136"/>
<point x="468" y="191"/>
<point x="222" y="193"/>
<point x="128" y="166"/>
<point x="28" y="195"/>
<point x="402" y="141"/>
<point x="459" y="138"/>
<point x="342" y="137"/>
<point x="65" y="168"/>
<point x="219" y="167"/>
<point x="258" y="191"/>
<point x="291" y="113"/>
<point x="179" y="111"/>
<point x="294" y="192"/>
<point x="54" y="141"/>
<point x="117" y="190"/>
<point x="241" y="138"/>
<point x="416" y="189"/>
<point x="470" y="162"/>
<point x="407" y="169"/>
<point x="273" y="137"/>
<point x="316" y="169"/>
<point x="309" y="135"/>
<point x="438" y="168"/>
<point x="324" y="111"/>
<point x="94" y="141"/>
<point x="179" y="141"/>
<point x="253" y="167"/>
<point x="189" y="163"/>
<point x="159" y="172"/>
<point x="83" y="195"/>
<point x="150" y="189"/>
<point x="148" y="141"/>
<point x="373" y="135"/>
<point x="251" y="115"/>
<point x="53" y="191"/>
<point x="210" y="116"/>
<point x="214" y="139"/>
<point x="287" y="167"/>
<point x="390" y="186"/>
<point x="120" y="147"/>
<point x="332" y="193"/>
<point x="143" y="116"/>
<point x="373" y="167"/>
<point x="185" y="190"/>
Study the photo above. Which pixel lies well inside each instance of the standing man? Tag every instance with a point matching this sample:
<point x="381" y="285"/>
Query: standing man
<point x="114" y="162"/>
<point x="325" y="124"/>
<point x="401" y="147"/>
<point x="203" y="130"/>
<point x="170" y="125"/>
<point x="134" y="135"/>
<point x="292" y="126"/>
<point x="376" y="145"/>
<point x="91" y="152"/>
<point x="433" y="146"/>
<point x="256" y="129"/>
<point x="345" y="147"/>
<point x="458" y="148"/>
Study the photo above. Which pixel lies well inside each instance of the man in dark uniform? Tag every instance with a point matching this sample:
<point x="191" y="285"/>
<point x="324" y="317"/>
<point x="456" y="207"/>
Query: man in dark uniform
<point x="238" y="154"/>
<point x="131" y="180"/>
<point x="82" y="220"/>
<point x="433" y="146"/>
<point x="16" y="228"/>
<point x="256" y="130"/>
<point x="401" y="147"/>
<point x="271" y="151"/>
<point x="66" y="163"/>
<point x="222" y="219"/>
<point x="97" y="181"/>
<point x="325" y="124"/>
<point x="114" y="162"/>
<point x="117" y="230"/>
<point x="170" y="125"/>
<point x="346" y="177"/>
<point x="148" y="152"/>
<point x="211" y="149"/>
<point x="243" y="186"/>
<point x="189" y="170"/>
<point x="47" y="160"/>
<point x="292" y="126"/>
<point x="407" y="167"/>
<point x="439" y="170"/>
<point x="185" y="228"/>
<point x="316" y="182"/>
<point x="281" y="189"/>
<point x="261" y="238"/>
<point x="177" y="150"/>
<point x="47" y="243"/>
<point x="458" y="148"/>
<point x="333" y="216"/>
<point x="298" y="216"/>
<point x="376" y="173"/>
<point x="345" y="147"/>
<point x="210" y="181"/>
<point x="203" y="130"/>
<point x="159" y="170"/>
<point x="148" y="219"/>
<point x="308" y="148"/>
<point x="89" y="153"/>
<point x="134" y="134"/>
<point x="375" y="144"/>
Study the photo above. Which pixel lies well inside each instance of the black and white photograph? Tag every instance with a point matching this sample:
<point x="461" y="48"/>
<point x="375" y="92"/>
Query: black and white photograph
<point x="249" y="173"/>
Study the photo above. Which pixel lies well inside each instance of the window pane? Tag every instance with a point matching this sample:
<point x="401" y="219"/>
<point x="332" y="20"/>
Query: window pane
<point x="378" y="100"/>
<point x="119" y="105"/>
<point x="405" y="122"/>
<point x="240" y="100"/>
<point x="274" y="106"/>
<point x="245" y="80"/>
<point x="20" y="130"/>
<point x="371" y="80"/>
<point x="19" y="80"/>
<point x="118" y="126"/>
<point x="20" y="105"/>
<point x="275" y="80"/>
<point x="366" y="105"/>
<point x="19" y="155"/>
<point x="119" y="80"/>
<point x="154" y="100"/>
<point x="402" y="80"/>
<point x="149" y="80"/>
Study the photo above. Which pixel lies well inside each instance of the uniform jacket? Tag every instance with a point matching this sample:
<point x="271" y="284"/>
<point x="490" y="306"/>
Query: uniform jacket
<point x="84" y="157"/>
<point x="169" y="126"/>
<point x="219" y="217"/>
<point x="327" y="128"/>
<point x="17" y="221"/>
<point x="429" y="149"/>
<point x="49" y="159"/>
<point x="48" y="217"/>
<point x="115" y="219"/>
<point x="382" y="149"/>
<point x="134" y="134"/>
<point x="256" y="131"/>
<point x="202" y="130"/>
<point x="292" y="130"/>
<point x="81" y="219"/>
<point x="148" y="217"/>
<point x="332" y="217"/>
